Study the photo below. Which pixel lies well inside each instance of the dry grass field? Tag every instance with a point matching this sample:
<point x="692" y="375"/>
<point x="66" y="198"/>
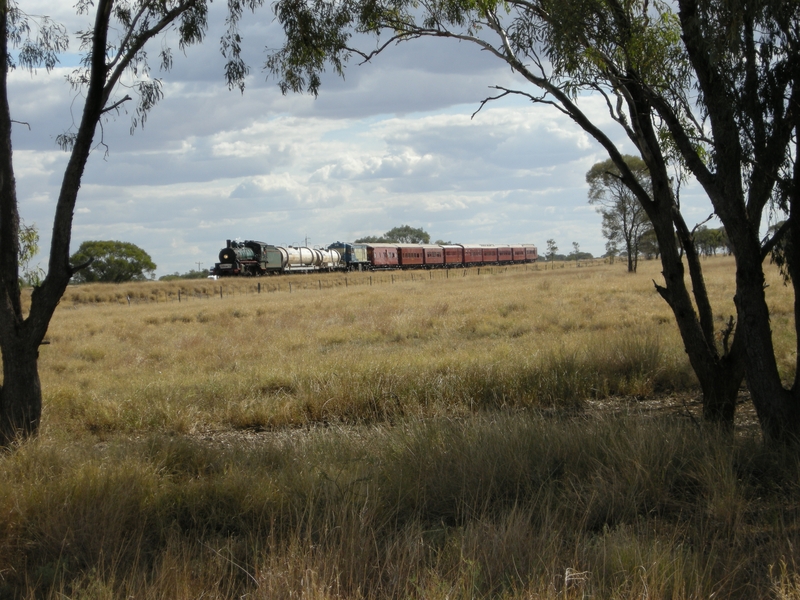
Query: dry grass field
<point x="518" y="433"/>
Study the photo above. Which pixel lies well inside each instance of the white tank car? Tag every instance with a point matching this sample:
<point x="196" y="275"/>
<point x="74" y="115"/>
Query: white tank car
<point x="310" y="259"/>
<point x="330" y="259"/>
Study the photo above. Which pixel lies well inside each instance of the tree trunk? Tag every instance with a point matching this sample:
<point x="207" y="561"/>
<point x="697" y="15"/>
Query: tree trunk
<point x="752" y="120"/>
<point x="721" y="387"/>
<point x="719" y="400"/>
<point x="21" y="395"/>
<point x="777" y="408"/>
<point x="21" y="392"/>
<point x="719" y="375"/>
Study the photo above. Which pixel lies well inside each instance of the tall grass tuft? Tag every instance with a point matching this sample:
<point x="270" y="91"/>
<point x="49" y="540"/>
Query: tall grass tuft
<point x="505" y="505"/>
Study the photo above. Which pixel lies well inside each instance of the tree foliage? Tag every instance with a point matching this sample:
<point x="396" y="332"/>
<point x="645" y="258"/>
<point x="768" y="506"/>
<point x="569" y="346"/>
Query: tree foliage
<point x="114" y="72"/>
<point x="112" y="262"/>
<point x="624" y="217"/>
<point x="403" y="234"/>
<point x="28" y="248"/>
<point x="648" y="244"/>
<point x="710" y="241"/>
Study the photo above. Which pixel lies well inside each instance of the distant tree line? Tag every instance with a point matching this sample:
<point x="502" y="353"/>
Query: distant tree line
<point x="710" y="242"/>
<point x="552" y="252"/>
<point x="193" y="274"/>
<point x="707" y="242"/>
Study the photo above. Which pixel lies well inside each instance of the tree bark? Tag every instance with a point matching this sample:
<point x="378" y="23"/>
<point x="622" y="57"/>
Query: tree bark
<point x="777" y="408"/>
<point x="21" y="394"/>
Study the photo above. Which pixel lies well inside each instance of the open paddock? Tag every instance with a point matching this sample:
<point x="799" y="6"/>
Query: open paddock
<point x="515" y="434"/>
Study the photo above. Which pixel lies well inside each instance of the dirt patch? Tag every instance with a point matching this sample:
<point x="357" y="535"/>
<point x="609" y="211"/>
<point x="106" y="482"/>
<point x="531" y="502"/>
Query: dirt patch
<point x="688" y="405"/>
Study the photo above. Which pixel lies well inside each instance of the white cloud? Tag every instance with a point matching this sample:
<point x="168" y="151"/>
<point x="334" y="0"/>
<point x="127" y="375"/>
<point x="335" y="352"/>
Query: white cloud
<point x="395" y="142"/>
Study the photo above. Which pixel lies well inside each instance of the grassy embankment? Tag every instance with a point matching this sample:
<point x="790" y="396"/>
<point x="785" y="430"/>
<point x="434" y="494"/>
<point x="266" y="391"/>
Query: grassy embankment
<point x="434" y="438"/>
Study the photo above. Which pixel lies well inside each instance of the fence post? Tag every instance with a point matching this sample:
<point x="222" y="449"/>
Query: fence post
<point x="179" y="296"/>
<point x="345" y="282"/>
<point x="259" y="287"/>
<point x="220" y="292"/>
<point x="290" y="287"/>
<point x="370" y="279"/>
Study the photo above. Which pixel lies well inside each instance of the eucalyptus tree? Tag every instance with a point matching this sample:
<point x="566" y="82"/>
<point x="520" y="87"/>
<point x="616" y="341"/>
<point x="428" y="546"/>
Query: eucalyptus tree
<point x="405" y="234"/>
<point x="624" y="219"/>
<point x="627" y="52"/>
<point x="745" y="61"/>
<point x="115" y="47"/>
<point x="112" y="261"/>
<point x="552" y="249"/>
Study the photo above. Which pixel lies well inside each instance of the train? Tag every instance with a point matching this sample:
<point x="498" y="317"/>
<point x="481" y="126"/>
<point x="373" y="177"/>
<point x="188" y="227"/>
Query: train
<point x="252" y="258"/>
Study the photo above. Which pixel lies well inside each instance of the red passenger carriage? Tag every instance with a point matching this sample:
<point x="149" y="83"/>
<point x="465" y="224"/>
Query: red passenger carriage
<point x="383" y="256"/>
<point x="489" y="253"/>
<point x="410" y="255"/>
<point x="473" y="254"/>
<point x="504" y="255"/>
<point x="518" y="253"/>
<point x="433" y="256"/>
<point x="453" y="255"/>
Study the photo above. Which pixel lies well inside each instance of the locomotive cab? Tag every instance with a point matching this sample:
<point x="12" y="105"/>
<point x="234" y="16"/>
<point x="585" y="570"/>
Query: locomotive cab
<point x="354" y="256"/>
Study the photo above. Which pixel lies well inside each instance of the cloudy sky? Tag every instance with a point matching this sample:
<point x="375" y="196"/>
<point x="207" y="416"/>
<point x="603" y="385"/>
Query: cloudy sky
<point x="393" y="143"/>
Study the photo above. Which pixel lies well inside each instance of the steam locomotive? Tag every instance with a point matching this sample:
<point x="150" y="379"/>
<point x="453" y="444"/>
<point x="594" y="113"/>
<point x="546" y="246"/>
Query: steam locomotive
<point x="252" y="258"/>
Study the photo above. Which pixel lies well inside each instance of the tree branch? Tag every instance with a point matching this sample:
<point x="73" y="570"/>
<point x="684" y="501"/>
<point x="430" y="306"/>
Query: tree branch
<point x="770" y="243"/>
<point x="116" y="104"/>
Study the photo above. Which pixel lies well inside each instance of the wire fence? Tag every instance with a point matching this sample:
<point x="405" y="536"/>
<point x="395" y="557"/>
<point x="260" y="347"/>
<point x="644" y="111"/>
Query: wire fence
<point x="189" y="290"/>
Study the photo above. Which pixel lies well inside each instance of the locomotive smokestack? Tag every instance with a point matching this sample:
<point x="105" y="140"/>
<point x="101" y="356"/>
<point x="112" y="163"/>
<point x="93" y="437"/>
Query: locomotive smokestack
<point x="229" y="243"/>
